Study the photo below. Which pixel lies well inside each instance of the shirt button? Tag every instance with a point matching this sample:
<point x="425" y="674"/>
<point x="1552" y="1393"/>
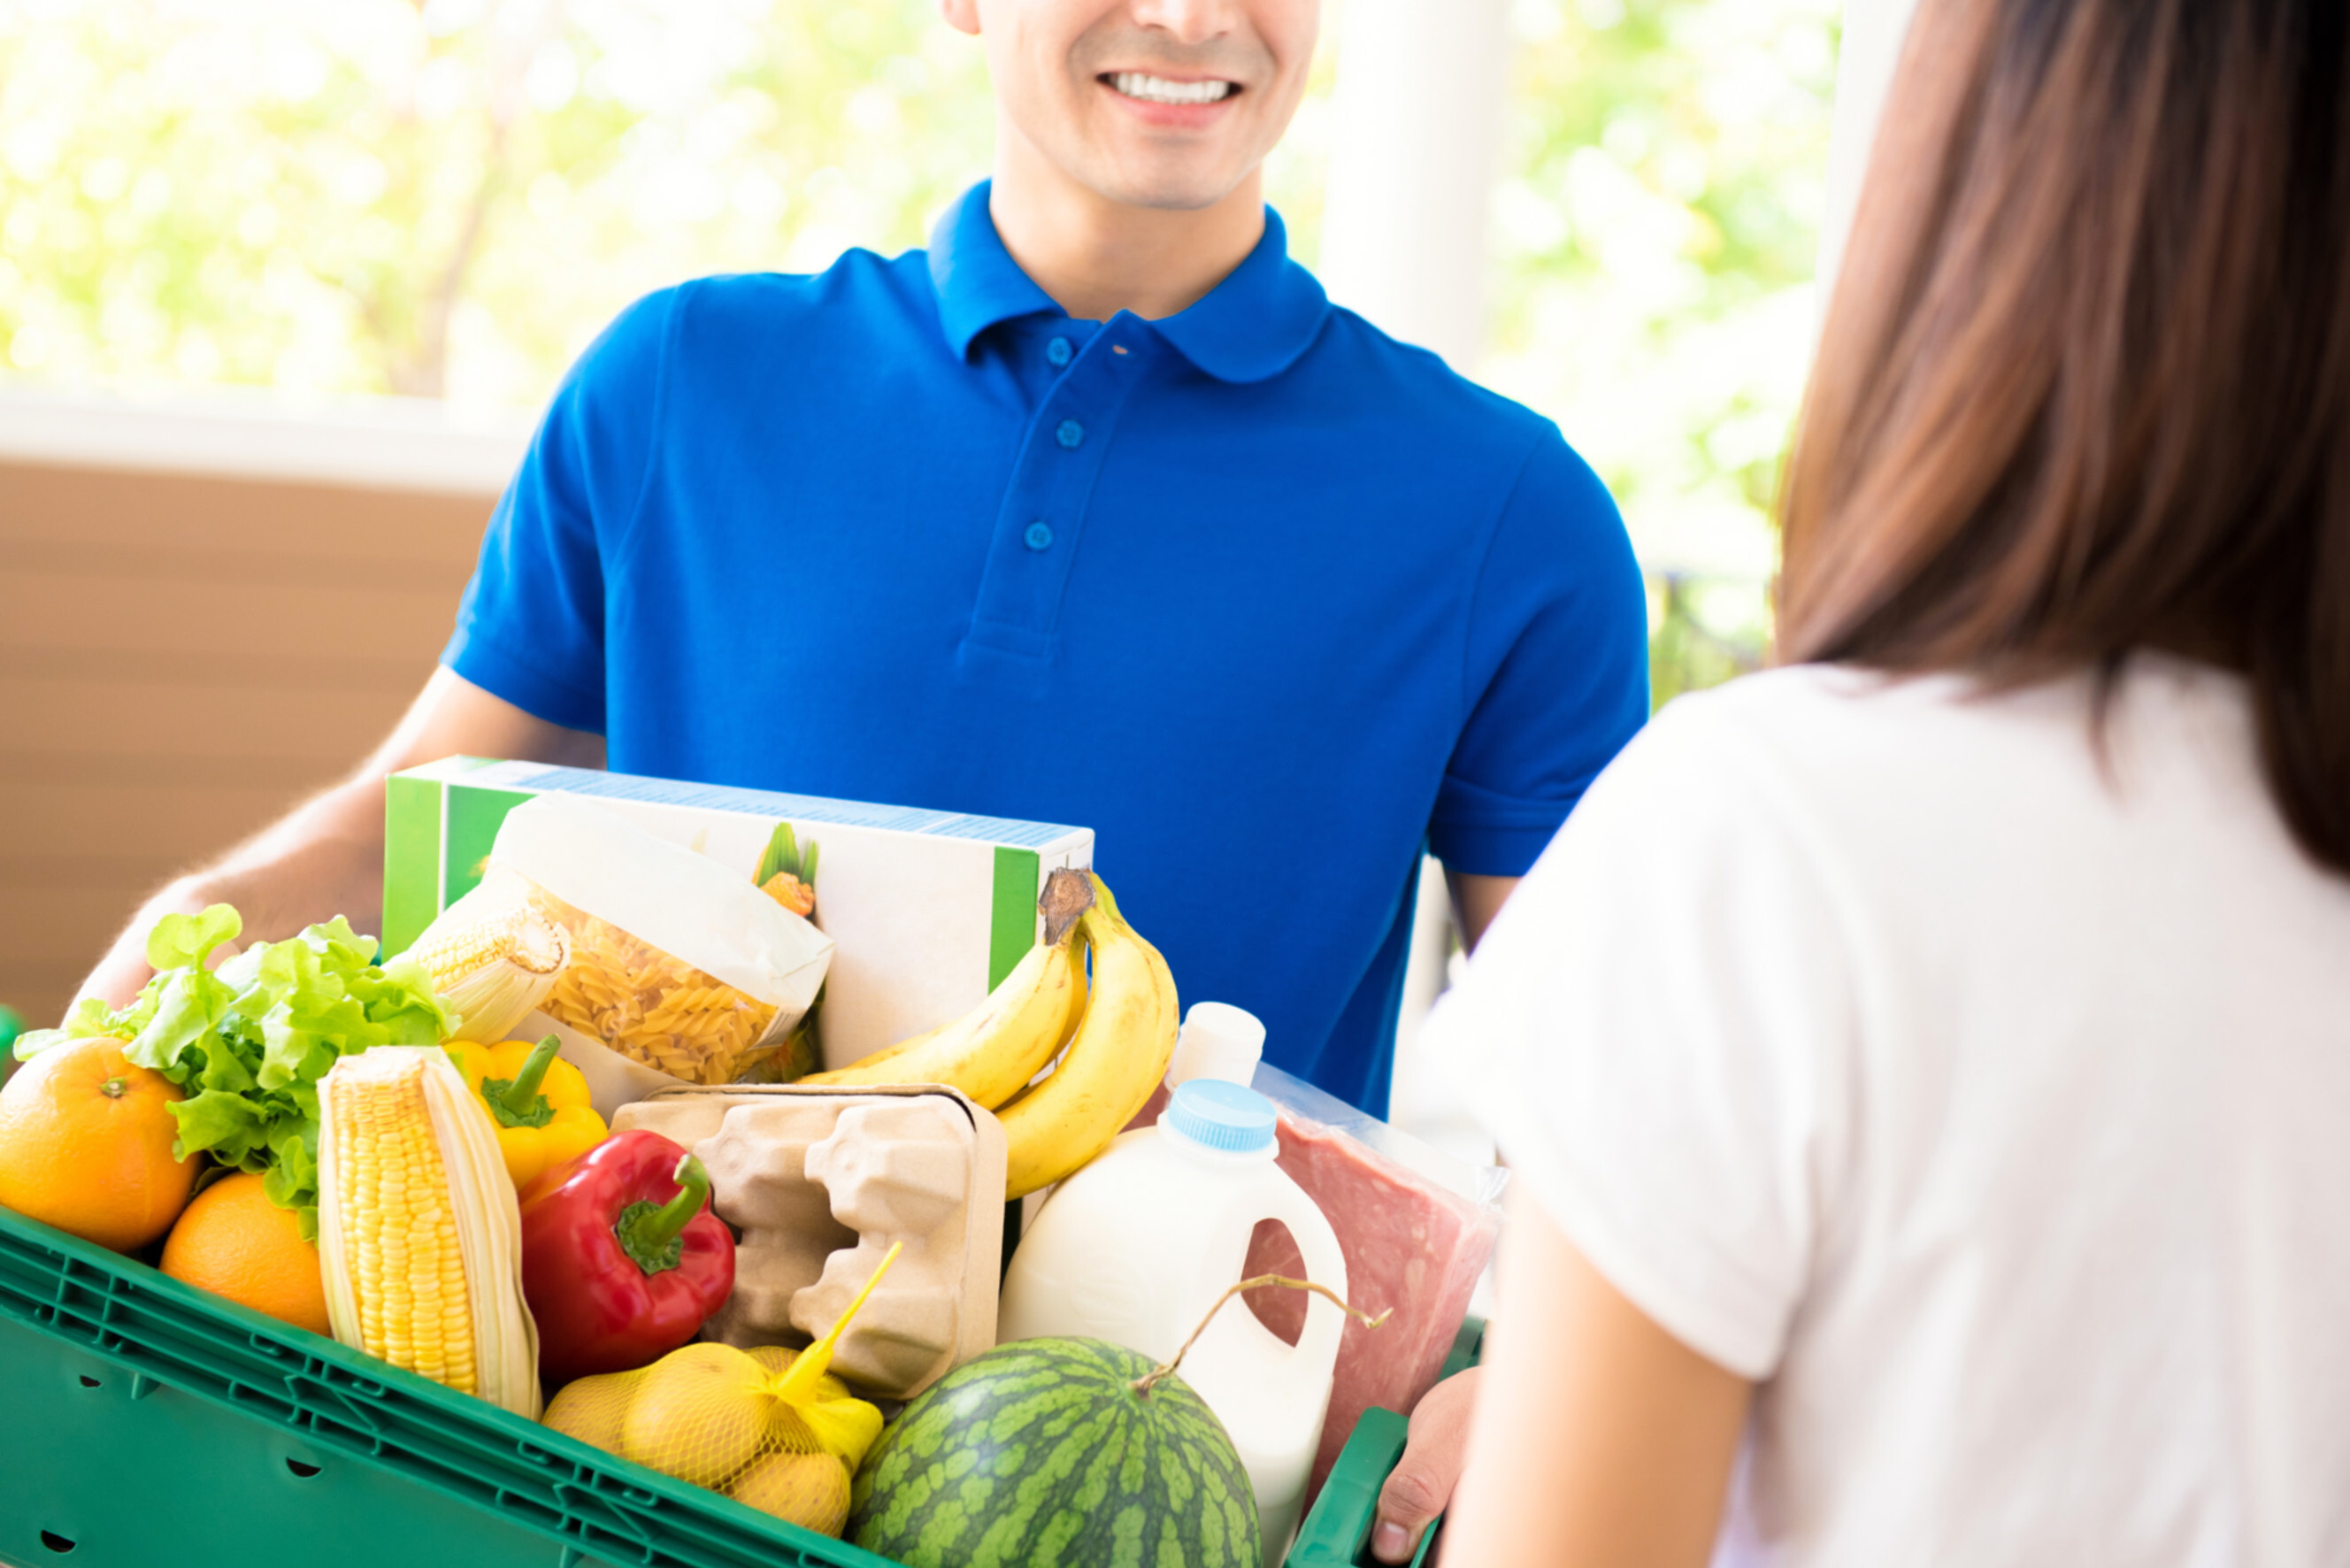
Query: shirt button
<point x="1058" y="351"/>
<point x="1039" y="536"/>
<point x="1070" y="433"/>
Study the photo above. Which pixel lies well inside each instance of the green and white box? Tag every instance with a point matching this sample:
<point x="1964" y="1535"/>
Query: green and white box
<point x="927" y="910"/>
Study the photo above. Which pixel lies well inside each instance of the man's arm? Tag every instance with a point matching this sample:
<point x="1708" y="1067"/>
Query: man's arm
<point x="1475" y="901"/>
<point x="325" y="858"/>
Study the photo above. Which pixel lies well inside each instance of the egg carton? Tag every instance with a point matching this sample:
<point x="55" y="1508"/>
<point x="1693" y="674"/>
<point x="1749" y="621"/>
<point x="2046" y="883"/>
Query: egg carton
<point x="820" y="1183"/>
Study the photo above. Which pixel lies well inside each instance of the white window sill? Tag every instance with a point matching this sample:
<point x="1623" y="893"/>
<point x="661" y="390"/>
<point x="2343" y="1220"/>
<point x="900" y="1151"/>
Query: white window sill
<point x="385" y="443"/>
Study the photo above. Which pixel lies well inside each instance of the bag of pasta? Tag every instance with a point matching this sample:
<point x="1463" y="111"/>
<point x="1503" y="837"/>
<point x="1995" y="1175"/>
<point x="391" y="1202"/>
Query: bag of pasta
<point x="676" y="969"/>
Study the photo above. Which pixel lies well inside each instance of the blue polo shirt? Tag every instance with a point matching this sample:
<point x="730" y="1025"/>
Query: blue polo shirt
<point x="1267" y="599"/>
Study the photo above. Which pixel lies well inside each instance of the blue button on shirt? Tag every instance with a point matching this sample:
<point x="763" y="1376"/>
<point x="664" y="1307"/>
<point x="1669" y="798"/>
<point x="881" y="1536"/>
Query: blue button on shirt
<point x="1267" y="599"/>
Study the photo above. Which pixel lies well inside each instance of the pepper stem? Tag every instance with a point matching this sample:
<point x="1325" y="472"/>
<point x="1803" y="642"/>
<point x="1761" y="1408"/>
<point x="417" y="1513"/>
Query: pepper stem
<point x="515" y="1102"/>
<point x="653" y="1234"/>
<point x="1143" y="1385"/>
<point x="524" y="1088"/>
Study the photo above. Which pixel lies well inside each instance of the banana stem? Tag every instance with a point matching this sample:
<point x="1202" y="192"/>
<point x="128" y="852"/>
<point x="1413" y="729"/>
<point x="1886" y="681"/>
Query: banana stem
<point x="1143" y="1385"/>
<point x="1067" y="894"/>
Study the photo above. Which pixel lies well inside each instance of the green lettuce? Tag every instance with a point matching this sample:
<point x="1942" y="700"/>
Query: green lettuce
<point x="250" y="1042"/>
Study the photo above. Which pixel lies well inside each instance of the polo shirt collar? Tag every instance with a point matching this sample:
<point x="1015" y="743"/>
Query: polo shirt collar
<point x="978" y="282"/>
<point x="1250" y="328"/>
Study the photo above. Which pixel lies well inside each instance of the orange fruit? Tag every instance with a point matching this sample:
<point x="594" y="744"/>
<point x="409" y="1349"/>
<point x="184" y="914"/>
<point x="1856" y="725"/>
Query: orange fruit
<point x="235" y="1242"/>
<point x="86" y="1146"/>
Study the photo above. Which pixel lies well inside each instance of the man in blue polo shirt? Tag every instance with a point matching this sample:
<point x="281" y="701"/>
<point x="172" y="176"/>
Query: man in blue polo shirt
<point x="1096" y="511"/>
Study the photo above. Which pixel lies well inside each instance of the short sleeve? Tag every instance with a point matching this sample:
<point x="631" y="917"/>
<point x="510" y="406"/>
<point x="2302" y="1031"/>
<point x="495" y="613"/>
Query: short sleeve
<point x="531" y="626"/>
<point x="1556" y="667"/>
<point x="1655" y="1024"/>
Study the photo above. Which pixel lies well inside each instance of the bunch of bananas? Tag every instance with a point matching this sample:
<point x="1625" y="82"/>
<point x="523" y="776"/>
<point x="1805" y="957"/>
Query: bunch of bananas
<point x="1113" y="1040"/>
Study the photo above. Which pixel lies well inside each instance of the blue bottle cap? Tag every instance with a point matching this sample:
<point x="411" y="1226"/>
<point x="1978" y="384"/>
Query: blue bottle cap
<point x="1229" y="1117"/>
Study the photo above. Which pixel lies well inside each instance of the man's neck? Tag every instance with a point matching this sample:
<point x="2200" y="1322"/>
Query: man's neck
<point x="1096" y="257"/>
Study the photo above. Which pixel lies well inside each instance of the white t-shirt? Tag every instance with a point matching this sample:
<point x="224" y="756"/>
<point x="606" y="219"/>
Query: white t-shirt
<point x="1989" y="1106"/>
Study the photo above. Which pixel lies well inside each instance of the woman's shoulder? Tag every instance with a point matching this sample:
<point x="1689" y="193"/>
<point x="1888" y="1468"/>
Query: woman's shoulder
<point x="1808" y="727"/>
<point x="1835" y="762"/>
<point x="1833" y="729"/>
<point x="1815" y="703"/>
<point x="1936" y="771"/>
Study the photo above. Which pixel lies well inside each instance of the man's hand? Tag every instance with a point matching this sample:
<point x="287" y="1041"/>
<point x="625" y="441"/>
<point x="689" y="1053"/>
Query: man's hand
<point x="122" y="973"/>
<point x="1422" y="1482"/>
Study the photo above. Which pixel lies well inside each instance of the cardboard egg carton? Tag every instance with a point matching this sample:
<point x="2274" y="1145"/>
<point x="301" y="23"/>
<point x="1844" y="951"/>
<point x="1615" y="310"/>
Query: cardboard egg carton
<point x="819" y="1182"/>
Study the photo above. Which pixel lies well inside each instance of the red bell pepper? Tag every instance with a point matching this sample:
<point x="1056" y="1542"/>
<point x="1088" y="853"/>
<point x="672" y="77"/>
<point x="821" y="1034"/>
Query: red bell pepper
<point x="622" y="1258"/>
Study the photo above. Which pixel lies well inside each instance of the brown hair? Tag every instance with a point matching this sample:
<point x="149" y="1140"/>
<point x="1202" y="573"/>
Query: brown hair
<point x="2083" y="387"/>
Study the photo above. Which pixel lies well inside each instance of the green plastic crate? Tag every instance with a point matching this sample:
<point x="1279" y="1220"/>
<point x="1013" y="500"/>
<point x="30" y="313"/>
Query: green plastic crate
<point x="142" y="1422"/>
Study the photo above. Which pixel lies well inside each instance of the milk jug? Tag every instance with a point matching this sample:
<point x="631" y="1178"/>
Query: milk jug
<point x="1135" y="1248"/>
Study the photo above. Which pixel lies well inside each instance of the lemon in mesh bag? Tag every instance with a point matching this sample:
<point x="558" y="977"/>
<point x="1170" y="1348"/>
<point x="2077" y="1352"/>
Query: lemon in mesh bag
<point x="770" y="1428"/>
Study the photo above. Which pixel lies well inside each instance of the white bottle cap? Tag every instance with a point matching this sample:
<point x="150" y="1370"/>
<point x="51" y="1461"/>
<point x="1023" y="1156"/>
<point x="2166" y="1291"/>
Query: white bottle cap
<point x="1217" y="1041"/>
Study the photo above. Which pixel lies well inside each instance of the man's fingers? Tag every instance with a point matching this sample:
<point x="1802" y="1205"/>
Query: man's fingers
<point x="1422" y="1482"/>
<point x="1420" y="1486"/>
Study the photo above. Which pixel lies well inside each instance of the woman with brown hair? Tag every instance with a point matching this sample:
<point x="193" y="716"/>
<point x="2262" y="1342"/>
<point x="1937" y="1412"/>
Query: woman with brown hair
<point x="1927" y="1067"/>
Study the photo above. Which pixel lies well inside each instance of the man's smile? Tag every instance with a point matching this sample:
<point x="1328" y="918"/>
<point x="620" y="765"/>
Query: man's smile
<point x="1144" y="88"/>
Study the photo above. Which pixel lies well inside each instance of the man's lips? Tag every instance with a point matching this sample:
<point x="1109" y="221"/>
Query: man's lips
<point x="1145" y="86"/>
<point x="1171" y="101"/>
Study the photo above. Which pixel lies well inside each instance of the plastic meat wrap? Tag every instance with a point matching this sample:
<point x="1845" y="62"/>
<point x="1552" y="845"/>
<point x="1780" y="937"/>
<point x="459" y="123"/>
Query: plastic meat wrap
<point x="1416" y="1225"/>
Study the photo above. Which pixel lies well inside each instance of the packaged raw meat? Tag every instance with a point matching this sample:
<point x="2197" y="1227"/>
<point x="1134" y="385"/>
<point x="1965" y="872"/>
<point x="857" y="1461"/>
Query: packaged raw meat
<point x="1417" y="1227"/>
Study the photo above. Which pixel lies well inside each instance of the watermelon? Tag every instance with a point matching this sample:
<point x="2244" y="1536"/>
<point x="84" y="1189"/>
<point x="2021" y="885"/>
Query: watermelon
<point x="1040" y="1454"/>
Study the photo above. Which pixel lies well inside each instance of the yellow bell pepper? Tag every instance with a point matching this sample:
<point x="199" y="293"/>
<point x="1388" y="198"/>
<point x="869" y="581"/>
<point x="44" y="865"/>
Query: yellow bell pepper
<point x="538" y="1103"/>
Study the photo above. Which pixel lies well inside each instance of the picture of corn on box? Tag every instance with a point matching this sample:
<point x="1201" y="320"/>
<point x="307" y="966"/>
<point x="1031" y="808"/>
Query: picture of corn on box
<point x="927" y="910"/>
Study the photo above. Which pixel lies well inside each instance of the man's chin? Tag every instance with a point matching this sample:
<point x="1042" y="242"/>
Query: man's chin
<point x="1166" y="189"/>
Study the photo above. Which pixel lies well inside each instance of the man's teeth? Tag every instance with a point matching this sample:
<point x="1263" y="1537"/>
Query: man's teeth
<point x="1159" y="89"/>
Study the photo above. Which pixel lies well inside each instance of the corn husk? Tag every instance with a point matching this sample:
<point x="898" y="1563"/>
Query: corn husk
<point x="493" y="958"/>
<point x="408" y="1168"/>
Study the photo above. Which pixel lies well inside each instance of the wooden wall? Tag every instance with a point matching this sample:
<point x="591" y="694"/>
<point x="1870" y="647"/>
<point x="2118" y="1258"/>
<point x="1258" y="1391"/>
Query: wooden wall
<point x="182" y="658"/>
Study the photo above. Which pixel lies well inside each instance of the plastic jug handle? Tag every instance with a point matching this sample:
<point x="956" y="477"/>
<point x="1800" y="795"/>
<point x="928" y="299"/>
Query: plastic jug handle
<point x="1324" y="1265"/>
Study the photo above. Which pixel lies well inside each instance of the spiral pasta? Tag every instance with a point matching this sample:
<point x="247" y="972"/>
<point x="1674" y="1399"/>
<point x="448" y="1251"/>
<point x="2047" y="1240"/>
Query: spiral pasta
<point x="653" y="1008"/>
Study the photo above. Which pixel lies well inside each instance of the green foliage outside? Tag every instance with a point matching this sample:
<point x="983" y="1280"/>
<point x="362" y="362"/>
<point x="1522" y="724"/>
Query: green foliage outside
<point x="1655" y="236"/>
<point x="448" y="199"/>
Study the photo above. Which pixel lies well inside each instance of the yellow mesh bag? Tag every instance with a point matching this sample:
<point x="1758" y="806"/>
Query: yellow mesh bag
<point x="770" y="1428"/>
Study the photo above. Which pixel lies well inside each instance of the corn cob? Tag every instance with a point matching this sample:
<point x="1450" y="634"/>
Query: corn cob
<point x="419" y="1237"/>
<point x="786" y="872"/>
<point x="492" y="972"/>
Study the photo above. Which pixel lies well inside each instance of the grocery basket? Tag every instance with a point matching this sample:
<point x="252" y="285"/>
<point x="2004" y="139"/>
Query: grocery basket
<point x="144" y="1421"/>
